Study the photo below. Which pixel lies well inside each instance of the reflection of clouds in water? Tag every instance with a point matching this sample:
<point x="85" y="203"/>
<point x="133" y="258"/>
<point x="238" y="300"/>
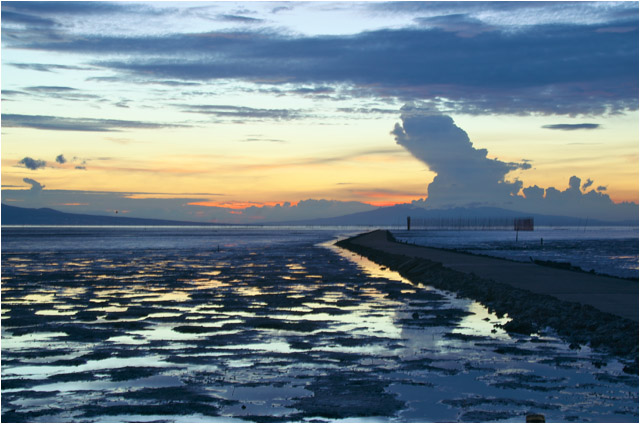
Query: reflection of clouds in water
<point x="191" y="317"/>
<point x="481" y="323"/>
<point x="469" y="357"/>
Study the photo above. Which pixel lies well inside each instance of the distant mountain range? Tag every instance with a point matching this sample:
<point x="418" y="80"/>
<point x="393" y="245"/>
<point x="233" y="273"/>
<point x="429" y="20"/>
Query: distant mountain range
<point x="382" y="217"/>
<point x="13" y="215"/>
<point x="397" y="216"/>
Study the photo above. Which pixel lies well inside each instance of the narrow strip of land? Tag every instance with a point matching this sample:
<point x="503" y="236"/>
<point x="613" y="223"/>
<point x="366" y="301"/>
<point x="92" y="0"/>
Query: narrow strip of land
<point x="607" y="294"/>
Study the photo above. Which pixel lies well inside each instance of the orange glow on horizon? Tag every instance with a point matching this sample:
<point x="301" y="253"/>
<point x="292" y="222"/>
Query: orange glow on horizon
<point x="384" y="204"/>
<point x="237" y="205"/>
<point x="387" y="198"/>
<point x="166" y="195"/>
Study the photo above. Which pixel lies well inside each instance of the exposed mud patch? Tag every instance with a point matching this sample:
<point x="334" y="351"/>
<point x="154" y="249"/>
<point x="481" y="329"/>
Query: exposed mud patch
<point x="344" y="395"/>
<point x="158" y="326"/>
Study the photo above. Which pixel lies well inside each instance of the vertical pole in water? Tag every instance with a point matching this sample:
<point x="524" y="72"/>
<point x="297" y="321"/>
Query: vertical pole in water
<point x="516" y="235"/>
<point x="408" y="223"/>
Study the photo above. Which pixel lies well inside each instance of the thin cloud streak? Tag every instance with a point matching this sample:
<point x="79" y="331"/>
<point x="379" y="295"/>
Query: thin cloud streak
<point x="242" y="112"/>
<point x="56" y="123"/>
<point x="324" y="160"/>
<point x="48" y="67"/>
<point x="240" y="18"/>
<point x="572" y="127"/>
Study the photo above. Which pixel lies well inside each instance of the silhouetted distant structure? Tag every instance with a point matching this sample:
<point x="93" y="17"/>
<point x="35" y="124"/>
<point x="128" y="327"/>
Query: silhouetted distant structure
<point x="523" y="224"/>
<point x="471" y="223"/>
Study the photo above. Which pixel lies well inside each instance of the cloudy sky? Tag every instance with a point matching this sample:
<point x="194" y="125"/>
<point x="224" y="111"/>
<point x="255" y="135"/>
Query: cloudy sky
<point x="254" y="111"/>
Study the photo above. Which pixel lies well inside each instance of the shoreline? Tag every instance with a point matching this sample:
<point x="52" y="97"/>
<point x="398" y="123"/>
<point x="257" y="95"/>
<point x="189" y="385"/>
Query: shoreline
<point x="579" y="323"/>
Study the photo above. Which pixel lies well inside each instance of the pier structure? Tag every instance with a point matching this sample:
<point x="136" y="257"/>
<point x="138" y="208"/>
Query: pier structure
<point x="612" y="295"/>
<point x="471" y="223"/>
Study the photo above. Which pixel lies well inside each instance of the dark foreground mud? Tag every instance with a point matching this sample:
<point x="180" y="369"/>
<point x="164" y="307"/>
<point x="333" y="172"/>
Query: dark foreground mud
<point x="270" y="328"/>
<point x="529" y="312"/>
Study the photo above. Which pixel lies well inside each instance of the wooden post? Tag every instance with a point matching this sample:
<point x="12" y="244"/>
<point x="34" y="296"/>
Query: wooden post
<point x="408" y="223"/>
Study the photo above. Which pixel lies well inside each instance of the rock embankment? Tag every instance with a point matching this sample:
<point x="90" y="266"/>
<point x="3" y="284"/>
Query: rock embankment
<point x="578" y="324"/>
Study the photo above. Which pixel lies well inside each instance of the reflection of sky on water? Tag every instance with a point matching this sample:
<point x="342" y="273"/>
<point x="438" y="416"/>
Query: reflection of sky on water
<point x="480" y="322"/>
<point x="236" y="328"/>
<point x="148" y="360"/>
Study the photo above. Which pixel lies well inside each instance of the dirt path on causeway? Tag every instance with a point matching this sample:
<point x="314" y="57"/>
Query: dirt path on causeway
<point x="607" y="294"/>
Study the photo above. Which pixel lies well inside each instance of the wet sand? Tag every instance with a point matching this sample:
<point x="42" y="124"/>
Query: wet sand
<point x="607" y="294"/>
<point x="139" y="325"/>
<point x="583" y="308"/>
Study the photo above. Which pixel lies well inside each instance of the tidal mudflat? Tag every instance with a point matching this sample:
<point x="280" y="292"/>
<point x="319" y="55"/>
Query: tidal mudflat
<point x="262" y="325"/>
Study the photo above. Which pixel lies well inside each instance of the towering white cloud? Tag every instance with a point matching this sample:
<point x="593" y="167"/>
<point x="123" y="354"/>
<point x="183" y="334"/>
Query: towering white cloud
<point x="467" y="177"/>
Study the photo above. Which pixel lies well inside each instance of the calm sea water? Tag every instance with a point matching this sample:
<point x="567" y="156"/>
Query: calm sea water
<point x="606" y="250"/>
<point x="239" y="324"/>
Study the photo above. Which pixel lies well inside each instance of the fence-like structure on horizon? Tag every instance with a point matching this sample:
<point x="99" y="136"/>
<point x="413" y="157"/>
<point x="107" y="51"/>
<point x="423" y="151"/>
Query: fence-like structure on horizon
<point x="471" y="223"/>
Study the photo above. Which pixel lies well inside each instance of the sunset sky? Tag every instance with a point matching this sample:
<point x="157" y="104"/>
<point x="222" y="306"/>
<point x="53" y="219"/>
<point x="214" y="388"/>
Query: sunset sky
<point x="258" y="111"/>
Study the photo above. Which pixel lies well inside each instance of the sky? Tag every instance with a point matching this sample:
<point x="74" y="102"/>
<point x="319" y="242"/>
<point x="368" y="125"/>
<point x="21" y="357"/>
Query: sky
<point x="248" y="112"/>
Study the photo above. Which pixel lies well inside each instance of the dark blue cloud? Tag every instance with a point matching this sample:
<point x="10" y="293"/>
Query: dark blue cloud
<point x="50" y="89"/>
<point x="41" y="20"/>
<point x="282" y="8"/>
<point x="36" y="187"/>
<point x="32" y="164"/>
<point x="565" y="69"/>
<point x="240" y="19"/>
<point x="47" y="67"/>
<point x="22" y="18"/>
<point x="459" y="23"/>
<point x="60" y="92"/>
<point x="62" y="8"/>
<point x="241" y="112"/>
<point x="61" y="159"/>
<point x="13" y="93"/>
<point x="546" y="55"/>
<point x="312" y="91"/>
<point x="572" y="127"/>
<point x="262" y="139"/>
<point x="454" y="6"/>
<point x="569" y="10"/>
<point x="56" y="123"/>
<point x="53" y="92"/>
<point x="458" y="63"/>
